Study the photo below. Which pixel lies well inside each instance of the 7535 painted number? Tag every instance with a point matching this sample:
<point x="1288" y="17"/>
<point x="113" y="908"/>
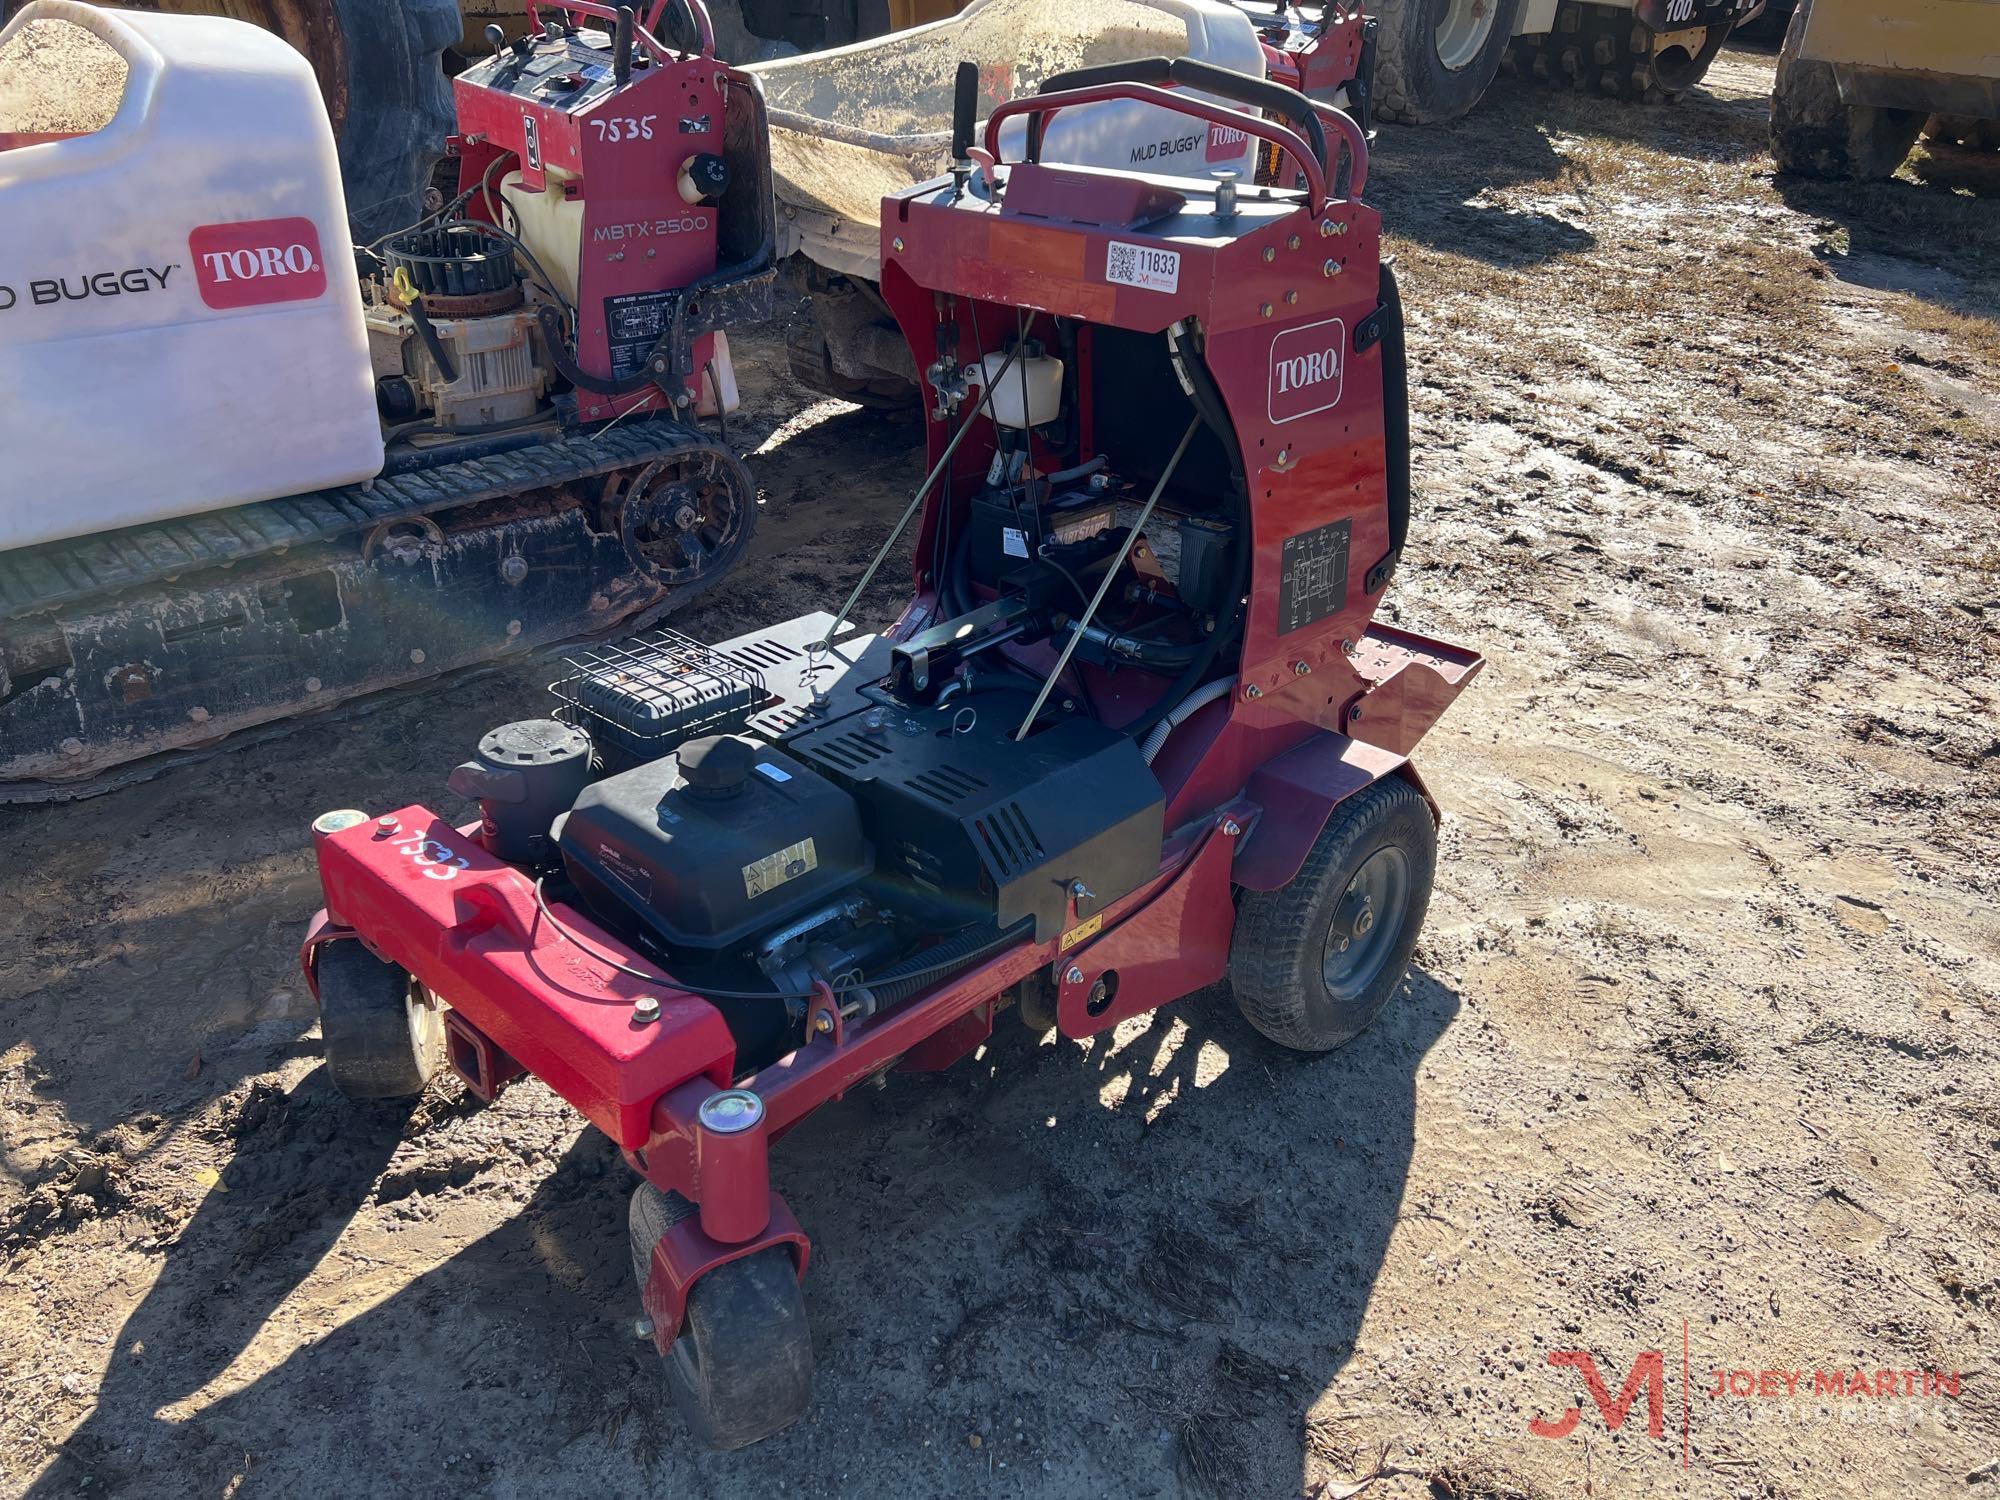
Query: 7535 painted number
<point x="437" y="861"/>
<point x="611" y="129"/>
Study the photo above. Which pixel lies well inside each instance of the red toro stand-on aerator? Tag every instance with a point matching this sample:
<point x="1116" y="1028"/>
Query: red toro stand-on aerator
<point x="1134" y="733"/>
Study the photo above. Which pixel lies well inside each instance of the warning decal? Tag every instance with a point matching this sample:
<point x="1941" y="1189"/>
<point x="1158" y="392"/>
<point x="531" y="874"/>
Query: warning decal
<point x="773" y="870"/>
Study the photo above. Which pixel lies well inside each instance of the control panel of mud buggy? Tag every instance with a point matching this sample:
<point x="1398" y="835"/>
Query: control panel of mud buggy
<point x="635" y="171"/>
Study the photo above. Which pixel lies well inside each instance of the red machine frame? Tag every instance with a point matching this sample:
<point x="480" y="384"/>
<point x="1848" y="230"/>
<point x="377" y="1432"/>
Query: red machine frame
<point x="621" y="156"/>
<point x="1318" y="712"/>
<point x="1331" y="59"/>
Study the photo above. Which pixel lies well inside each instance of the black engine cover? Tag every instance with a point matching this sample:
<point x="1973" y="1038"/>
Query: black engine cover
<point x="712" y="866"/>
<point x="970" y="824"/>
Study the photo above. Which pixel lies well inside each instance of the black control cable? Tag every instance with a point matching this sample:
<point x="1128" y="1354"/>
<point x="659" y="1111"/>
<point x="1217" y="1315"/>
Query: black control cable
<point x="892" y="975"/>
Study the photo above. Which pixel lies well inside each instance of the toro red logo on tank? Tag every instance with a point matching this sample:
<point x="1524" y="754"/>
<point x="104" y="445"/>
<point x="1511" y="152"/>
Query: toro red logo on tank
<point x="1307" y="368"/>
<point x="1226" y="142"/>
<point x="259" y="261"/>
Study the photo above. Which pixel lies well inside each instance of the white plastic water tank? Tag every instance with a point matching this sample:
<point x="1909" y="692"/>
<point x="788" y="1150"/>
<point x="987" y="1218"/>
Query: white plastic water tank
<point x="1028" y="392"/>
<point x="180" y="325"/>
<point x="1147" y="138"/>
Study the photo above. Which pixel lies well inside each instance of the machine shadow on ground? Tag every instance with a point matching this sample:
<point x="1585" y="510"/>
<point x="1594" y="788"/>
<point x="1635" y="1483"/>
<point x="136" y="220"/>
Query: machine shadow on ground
<point x="1427" y="185"/>
<point x="985" y="1238"/>
<point x="1448" y="187"/>
<point x="1928" y="232"/>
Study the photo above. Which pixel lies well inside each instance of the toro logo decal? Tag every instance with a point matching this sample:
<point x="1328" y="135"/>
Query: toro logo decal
<point x="1226" y="143"/>
<point x="1307" y="368"/>
<point x="260" y="261"/>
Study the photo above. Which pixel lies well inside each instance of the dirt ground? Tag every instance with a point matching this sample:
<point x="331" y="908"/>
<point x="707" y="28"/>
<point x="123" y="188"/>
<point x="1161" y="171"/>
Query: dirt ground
<point x="1698" y="1057"/>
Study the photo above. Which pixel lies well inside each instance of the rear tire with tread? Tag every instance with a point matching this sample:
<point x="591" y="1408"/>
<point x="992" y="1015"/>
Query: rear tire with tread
<point x="742" y="1367"/>
<point x="1282" y="954"/>
<point x="399" y="107"/>
<point x="382" y="1038"/>
<point x="1412" y="84"/>
<point x="1813" y="134"/>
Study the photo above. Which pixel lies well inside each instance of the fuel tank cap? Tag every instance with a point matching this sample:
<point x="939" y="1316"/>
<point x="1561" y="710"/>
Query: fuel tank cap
<point x="716" y="765"/>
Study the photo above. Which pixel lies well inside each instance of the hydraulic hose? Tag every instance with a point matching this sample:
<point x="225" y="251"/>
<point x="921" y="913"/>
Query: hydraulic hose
<point x="956" y="953"/>
<point x="1200" y="698"/>
<point x="1166" y="655"/>
<point x="1068" y="476"/>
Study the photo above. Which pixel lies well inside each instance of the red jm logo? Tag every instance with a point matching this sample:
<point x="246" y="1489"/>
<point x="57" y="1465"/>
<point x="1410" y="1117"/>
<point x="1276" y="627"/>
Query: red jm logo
<point x="1649" y="1373"/>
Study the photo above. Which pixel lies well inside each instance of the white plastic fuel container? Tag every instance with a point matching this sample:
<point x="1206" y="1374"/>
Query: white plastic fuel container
<point x="180" y="323"/>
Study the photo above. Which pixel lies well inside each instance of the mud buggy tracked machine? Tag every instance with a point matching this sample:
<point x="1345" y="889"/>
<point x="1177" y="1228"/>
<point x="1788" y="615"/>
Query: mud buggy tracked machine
<point x="251" y="473"/>
<point x="1134" y="733"/>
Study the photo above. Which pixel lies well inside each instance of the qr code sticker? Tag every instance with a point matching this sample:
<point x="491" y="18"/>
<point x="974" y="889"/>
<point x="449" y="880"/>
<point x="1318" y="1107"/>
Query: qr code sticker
<point x="1144" y="266"/>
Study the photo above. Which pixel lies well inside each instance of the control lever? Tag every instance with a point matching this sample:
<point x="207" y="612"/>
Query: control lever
<point x="964" y="116"/>
<point x="621" y="47"/>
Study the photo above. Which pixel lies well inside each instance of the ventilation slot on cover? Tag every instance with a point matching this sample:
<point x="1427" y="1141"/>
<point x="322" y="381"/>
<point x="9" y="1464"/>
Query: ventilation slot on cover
<point x="923" y="866"/>
<point x="778" y="720"/>
<point x="762" y="654"/>
<point x="853" y="752"/>
<point x="1009" y="839"/>
<point x="945" y="784"/>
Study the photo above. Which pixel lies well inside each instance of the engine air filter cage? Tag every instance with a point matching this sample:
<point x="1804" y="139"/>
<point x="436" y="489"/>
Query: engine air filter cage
<point x="453" y="260"/>
<point x="641" y="697"/>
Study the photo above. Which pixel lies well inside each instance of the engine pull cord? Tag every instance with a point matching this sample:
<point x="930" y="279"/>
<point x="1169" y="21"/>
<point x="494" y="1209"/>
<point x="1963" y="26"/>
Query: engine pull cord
<point x="413" y="304"/>
<point x="825" y="643"/>
<point x="1104" y="584"/>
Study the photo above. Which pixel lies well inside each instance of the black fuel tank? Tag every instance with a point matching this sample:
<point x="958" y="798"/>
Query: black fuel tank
<point x="714" y="844"/>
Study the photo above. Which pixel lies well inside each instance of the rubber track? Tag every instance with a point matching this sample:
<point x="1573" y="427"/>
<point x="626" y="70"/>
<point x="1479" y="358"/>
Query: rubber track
<point x="54" y="575"/>
<point x="1602" y="55"/>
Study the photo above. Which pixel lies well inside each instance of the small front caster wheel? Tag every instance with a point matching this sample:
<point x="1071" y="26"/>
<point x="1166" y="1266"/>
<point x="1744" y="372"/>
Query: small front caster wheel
<point x="1313" y="962"/>
<point x="742" y="1367"/>
<point x="381" y="1031"/>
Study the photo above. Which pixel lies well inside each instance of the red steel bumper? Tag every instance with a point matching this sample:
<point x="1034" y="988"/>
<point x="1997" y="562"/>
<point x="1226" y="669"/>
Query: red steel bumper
<point x="422" y="894"/>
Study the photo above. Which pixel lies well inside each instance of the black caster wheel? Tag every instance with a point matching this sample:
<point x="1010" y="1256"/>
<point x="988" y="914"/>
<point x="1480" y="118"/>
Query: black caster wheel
<point x="381" y="1031"/>
<point x="1313" y="962"/>
<point x="742" y="1368"/>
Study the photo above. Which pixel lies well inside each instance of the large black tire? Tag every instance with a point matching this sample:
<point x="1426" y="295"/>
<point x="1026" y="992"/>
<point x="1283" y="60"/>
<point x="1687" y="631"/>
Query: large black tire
<point x="398" y="108"/>
<point x="380" y="65"/>
<point x="382" y="1036"/>
<point x="742" y="1368"/>
<point x="1313" y="962"/>
<point x="1813" y="134"/>
<point x="1603" y="49"/>
<point x="811" y="363"/>
<point x="1435" y="58"/>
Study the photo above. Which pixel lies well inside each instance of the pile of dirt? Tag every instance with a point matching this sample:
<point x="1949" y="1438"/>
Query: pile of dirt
<point x="900" y="87"/>
<point x="56" y="78"/>
<point x="902" y="84"/>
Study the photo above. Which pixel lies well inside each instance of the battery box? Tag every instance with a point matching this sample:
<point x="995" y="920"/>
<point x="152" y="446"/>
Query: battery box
<point x="1008" y="531"/>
